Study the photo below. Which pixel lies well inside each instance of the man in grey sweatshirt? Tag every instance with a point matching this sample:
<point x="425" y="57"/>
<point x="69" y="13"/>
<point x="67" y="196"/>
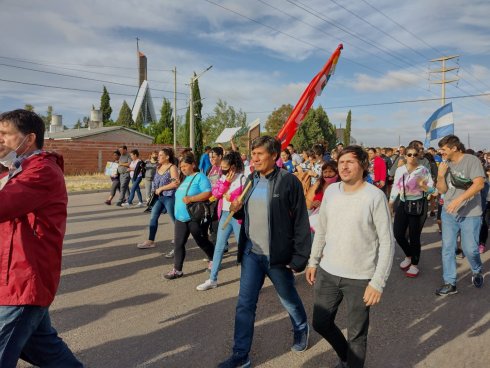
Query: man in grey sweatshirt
<point x="351" y="256"/>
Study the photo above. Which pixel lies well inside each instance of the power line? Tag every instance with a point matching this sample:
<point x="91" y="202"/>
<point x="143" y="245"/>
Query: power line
<point x="70" y="88"/>
<point x="77" y="70"/>
<point x="386" y="103"/>
<point x="439" y="52"/>
<point x="85" y="78"/>
<point x="91" y="65"/>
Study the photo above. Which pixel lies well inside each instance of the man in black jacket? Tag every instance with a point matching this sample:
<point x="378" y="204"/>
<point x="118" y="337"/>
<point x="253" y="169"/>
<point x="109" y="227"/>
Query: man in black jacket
<point x="275" y="241"/>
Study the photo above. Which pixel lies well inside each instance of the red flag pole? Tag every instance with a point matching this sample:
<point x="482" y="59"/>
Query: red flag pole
<point x="302" y="107"/>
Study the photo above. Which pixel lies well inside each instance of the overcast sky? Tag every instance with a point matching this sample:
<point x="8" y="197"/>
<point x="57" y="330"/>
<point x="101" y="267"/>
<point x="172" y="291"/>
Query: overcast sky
<point x="263" y="54"/>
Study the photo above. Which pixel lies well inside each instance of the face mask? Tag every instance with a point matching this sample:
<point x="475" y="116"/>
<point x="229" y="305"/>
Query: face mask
<point x="225" y="172"/>
<point x="8" y="159"/>
<point x="331" y="180"/>
<point x="20" y="145"/>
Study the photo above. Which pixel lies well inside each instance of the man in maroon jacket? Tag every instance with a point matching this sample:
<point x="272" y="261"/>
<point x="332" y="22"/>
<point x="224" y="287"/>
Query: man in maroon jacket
<point x="32" y="226"/>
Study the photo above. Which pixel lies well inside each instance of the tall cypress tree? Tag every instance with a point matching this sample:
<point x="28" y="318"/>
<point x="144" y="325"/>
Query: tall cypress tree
<point x="125" y="117"/>
<point x="347" y="129"/>
<point x="105" y="106"/>
<point x="166" y="118"/>
<point x="198" y="141"/>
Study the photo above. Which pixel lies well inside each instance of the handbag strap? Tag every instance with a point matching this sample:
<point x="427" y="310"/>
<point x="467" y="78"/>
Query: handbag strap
<point x="404" y="195"/>
<point x="187" y="191"/>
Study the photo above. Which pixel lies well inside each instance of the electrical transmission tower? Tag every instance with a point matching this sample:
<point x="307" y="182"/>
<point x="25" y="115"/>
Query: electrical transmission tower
<point x="443" y="81"/>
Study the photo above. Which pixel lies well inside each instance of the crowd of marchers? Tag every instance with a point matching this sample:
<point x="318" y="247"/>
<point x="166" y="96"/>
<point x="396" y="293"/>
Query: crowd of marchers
<point x="333" y="214"/>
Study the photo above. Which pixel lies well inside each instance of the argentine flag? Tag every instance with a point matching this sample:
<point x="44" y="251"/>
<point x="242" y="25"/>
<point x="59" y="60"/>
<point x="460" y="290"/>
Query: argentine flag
<point x="439" y="124"/>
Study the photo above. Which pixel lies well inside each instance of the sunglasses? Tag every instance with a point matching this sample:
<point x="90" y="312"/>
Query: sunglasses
<point x="411" y="155"/>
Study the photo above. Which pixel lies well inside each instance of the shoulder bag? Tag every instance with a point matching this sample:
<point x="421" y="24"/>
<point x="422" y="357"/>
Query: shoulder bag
<point x="412" y="207"/>
<point x="198" y="211"/>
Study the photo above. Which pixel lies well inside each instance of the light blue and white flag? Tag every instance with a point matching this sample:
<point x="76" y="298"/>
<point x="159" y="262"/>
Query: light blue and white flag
<point x="439" y="124"/>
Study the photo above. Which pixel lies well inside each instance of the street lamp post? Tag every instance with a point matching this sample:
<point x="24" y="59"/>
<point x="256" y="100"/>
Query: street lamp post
<point x="191" y="110"/>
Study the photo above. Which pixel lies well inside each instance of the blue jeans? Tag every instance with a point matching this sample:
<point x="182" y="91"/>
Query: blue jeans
<point x="26" y="333"/>
<point x="254" y="269"/>
<point x="135" y="187"/>
<point x="163" y="205"/>
<point x="222" y="241"/>
<point x="469" y="227"/>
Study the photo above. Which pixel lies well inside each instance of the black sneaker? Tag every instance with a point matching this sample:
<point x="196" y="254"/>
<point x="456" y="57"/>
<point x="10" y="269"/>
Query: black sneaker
<point x="300" y="342"/>
<point x="477" y="280"/>
<point x="119" y="204"/>
<point x="236" y="361"/>
<point x="446" y="289"/>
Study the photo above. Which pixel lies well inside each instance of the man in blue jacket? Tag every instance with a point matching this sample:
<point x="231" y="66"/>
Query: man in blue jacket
<point x="277" y="250"/>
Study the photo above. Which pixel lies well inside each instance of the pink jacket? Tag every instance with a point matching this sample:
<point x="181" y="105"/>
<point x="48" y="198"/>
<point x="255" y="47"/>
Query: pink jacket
<point x="221" y="188"/>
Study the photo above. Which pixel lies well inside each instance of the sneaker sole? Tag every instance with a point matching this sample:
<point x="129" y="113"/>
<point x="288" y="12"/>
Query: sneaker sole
<point x="451" y="293"/>
<point x="412" y="275"/>
<point x="207" y="288"/>
<point x="145" y="246"/>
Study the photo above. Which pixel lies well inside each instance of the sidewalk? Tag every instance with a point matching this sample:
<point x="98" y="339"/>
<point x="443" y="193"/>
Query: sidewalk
<point x="114" y="309"/>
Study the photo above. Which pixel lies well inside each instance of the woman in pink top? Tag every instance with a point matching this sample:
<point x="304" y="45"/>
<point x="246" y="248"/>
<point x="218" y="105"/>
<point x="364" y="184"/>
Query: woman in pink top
<point x="330" y="174"/>
<point x="226" y="190"/>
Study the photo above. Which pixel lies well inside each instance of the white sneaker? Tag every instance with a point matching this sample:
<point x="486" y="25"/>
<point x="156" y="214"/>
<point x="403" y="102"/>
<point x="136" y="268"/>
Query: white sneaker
<point x="206" y="285"/>
<point x="139" y="204"/>
<point x="413" y="271"/>
<point x="146" y="245"/>
<point x="406" y="263"/>
<point x="125" y="204"/>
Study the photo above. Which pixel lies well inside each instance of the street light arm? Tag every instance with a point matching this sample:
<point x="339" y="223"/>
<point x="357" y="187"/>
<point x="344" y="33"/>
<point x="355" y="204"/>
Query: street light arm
<point x="204" y="71"/>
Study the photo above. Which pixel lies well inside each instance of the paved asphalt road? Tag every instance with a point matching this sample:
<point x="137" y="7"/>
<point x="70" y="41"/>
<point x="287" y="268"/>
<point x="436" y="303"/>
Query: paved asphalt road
<point x="114" y="309"/>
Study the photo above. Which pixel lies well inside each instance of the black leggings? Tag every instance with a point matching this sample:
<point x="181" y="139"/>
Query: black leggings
<point x="199" y="233"/>
<point x="414" y="224"/>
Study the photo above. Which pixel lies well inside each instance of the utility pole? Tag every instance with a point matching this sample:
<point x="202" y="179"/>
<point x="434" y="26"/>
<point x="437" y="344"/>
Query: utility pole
<point x="443" y="81"/>
<point x="175" y="109"/>
<point x="191" y="109"/>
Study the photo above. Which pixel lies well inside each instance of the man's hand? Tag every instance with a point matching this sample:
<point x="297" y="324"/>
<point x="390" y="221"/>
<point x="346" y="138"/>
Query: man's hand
<point x="310" y="274"/>
<point x="442" y="169"/>
<point x="371" y="296"/>
<point x="236" y="205"/>
<point x="453" y="206"/>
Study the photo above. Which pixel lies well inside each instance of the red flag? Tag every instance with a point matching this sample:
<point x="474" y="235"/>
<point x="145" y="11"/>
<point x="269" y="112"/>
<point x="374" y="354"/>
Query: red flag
<point x="314" y="89"/>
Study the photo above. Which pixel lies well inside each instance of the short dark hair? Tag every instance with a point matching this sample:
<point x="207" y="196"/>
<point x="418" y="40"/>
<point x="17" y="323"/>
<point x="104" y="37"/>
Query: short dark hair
<point x="207" y="148"/>
<point x="451" y="141"/>
<point x="290" y="145"/>
<point x="26" y="122"/>
<point x="361" y="156"/>
<point x="117" y="153"/>
<point x="217" y="150"/>
<point x="271" y="144"/>
<point x="136" y="152"/>
<point x="416" y="142"/>
<point x="124" y="147"/>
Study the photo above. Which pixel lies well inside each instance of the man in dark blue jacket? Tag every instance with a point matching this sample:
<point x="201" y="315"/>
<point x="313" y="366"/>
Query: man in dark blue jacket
<point x="275" y="241"/>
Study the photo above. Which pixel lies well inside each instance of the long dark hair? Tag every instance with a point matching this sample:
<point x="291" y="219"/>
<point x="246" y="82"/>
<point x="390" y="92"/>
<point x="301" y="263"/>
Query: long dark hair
<point x="332" y="165"/>
<point x="234" y="159"/>
<point x="170" y="153"/>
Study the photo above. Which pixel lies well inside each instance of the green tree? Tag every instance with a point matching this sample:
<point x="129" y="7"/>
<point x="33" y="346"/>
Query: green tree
<point x="224" y="116"/>
<point x="347" y="129"/>
<point x="166" y="118"/>
<point x="185" y="130"/>
<point x="198" y="138"/>
<point x="47" y="118"/>
<point x="105" y="106"/>
<point x="277" y="118"/>
<point x="125" y="118"/>
<point x="28" y="107"/>
<point x="165" y="137"/>
<point x="316" y="128"/>
<point x="139" y="124"/>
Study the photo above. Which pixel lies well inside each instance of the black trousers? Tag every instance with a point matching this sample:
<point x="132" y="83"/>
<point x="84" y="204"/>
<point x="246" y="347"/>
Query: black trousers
<point x="199" y="233"/>
<point x="330" y="290"/>
<point x="414" y="224"/>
